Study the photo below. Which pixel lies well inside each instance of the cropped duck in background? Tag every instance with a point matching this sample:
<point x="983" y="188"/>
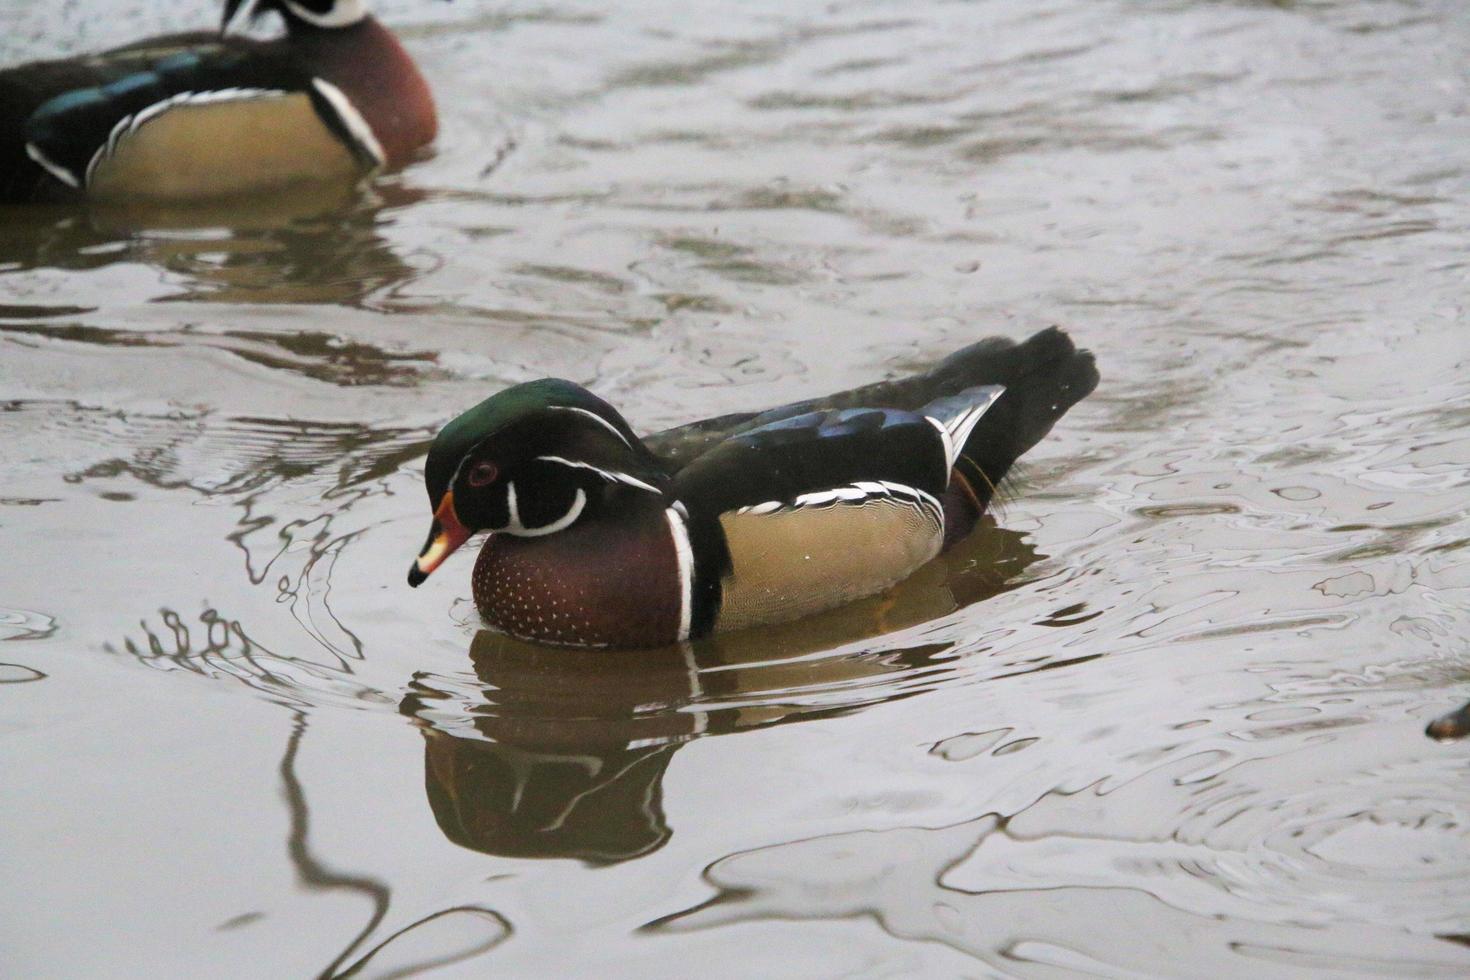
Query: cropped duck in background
<point x="1454" y="725"/>
<point x="201" y="115"/>
<point x="600" y="538"/>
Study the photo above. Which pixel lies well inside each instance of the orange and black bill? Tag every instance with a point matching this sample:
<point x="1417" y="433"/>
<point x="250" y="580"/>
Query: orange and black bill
<point x="445" y="535"/>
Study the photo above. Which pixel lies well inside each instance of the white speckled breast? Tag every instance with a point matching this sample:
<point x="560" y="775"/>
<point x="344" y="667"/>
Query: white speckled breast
<point x="610" y="582"/>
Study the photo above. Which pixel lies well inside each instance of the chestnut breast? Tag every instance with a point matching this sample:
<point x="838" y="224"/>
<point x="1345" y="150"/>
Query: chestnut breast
<point x="381" y="81"/>
<point x="608" y="582"/>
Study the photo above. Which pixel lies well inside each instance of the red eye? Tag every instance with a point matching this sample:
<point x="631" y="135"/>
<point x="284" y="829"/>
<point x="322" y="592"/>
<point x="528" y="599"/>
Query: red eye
<point x="482" y="474"/>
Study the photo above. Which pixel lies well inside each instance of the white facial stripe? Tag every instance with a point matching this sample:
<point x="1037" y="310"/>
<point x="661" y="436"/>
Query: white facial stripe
<point x="596" y="418"/>
<point x="356" y="125"/>
<point x="344" y="13"/>
<point x="612" y="475"/>
<point x="684" y="553"/>
<point x="521" y="531"/>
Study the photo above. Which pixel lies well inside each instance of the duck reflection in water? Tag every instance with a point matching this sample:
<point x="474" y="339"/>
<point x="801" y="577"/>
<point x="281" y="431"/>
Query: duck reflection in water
<point x="560" y="753"/>
<point x="299" y="245"/>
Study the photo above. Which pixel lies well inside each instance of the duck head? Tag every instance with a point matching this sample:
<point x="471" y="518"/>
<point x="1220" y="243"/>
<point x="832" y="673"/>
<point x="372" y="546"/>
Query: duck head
<point x="530" y="461"/>
<point x="315" y="13"/>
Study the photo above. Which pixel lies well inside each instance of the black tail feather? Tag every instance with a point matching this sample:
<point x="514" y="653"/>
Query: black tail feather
<point x="1044" y="376"/>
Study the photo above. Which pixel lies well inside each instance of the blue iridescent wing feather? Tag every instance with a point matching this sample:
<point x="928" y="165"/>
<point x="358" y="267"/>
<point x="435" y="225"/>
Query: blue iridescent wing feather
<point x="816" y="452"/>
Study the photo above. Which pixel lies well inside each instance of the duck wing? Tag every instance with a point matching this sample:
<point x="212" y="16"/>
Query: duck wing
<point x="806" y="512"/>
<point x="816" y="459"/>
<point x="1046" y="375"/>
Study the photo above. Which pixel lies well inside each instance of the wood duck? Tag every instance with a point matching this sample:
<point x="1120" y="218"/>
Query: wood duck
<point x="600" y="538"/>
<point x="199" y="115"/>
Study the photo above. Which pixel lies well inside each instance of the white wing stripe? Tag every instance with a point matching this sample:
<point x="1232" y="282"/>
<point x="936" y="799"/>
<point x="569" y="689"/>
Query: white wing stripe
<point x="957" y="430"/>
<point x="855" y="493"/>
<point x="946" y="438"/>
<point x="52" y="167"/>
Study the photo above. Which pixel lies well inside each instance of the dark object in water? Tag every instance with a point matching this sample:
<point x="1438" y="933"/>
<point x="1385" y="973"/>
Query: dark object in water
<point x="1448" y="727"/>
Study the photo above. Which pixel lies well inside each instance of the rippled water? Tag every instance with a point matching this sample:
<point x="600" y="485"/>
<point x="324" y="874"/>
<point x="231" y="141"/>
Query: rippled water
<point x="1163" y="717"/>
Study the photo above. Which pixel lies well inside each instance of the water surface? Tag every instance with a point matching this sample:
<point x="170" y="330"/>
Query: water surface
<point x="1162" y="717"/>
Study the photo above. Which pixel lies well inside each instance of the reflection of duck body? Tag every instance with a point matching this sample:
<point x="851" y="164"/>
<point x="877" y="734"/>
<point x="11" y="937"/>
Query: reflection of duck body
<point x="600" y="538"/>
<point x="556" y="759"/>
<point x="308" y="243"/>
<point x="193" y="116"/>
<point x="561" y="753"/>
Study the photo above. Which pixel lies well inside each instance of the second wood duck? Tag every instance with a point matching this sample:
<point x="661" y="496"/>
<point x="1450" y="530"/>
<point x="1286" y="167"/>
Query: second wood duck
<point x="600" y="538"/>
<point x="200" y="115"/>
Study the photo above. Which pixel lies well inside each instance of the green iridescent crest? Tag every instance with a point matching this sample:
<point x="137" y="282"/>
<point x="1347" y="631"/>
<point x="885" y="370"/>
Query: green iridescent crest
<point x="505" y="408"/>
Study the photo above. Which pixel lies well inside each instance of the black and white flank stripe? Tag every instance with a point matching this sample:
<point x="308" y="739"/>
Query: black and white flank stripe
<point x="862" y="492"/>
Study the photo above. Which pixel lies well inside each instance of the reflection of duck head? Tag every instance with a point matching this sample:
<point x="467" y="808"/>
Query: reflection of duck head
<point x="552" y="752"/>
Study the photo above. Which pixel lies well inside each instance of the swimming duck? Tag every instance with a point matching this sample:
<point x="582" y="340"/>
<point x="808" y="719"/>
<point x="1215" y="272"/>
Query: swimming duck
<point x="199" y="115"/>
<point x="601" y="538"/>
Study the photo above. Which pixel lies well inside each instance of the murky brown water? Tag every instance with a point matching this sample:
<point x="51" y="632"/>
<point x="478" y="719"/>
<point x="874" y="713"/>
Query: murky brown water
<point x="1165" y="718"/>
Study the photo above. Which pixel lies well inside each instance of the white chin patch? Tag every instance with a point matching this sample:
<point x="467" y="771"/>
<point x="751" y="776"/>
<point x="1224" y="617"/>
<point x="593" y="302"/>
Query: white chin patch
<point x="344" y="13"/>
